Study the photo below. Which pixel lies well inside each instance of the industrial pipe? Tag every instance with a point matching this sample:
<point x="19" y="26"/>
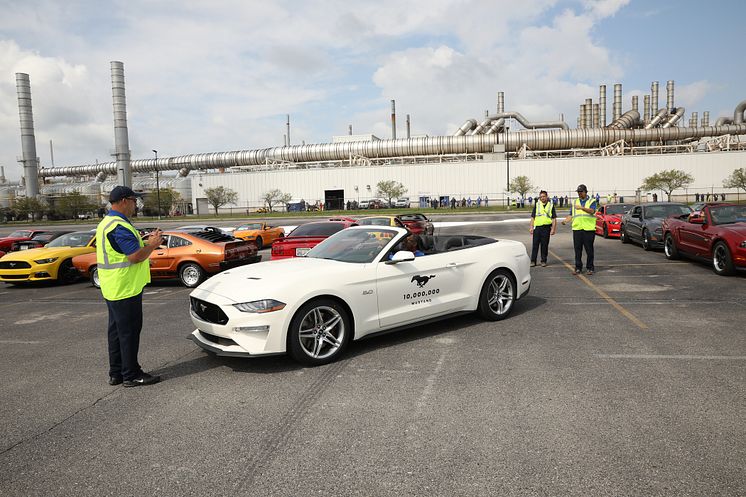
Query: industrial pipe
<point x="468" y="125"/>
<point x="531" y="125"/>
<point x="121" y="136"/>
<point x="662" y="113"/>
<point x="28" y="139"/>
<point x="602" y="106"/>
<point x="654" y="98"/>
<point x="628" y="120"/>
<point x="617" y="102"/>
<point x="674" y="118"/>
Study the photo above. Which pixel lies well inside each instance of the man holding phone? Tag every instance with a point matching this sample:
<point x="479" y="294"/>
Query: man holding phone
<point x="583" y="216"/>
<point x="123" y="264"/>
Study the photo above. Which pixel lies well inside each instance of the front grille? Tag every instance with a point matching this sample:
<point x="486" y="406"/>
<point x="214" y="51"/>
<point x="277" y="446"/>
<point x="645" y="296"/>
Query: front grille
<point x="208" y="312"/>
<point x="14" y="265"/>
<point x="225" y="342"/>
<point x="14" y="276"/>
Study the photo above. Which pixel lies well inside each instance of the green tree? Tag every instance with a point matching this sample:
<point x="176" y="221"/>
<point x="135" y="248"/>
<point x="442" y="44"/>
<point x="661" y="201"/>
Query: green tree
<point x="390" y="190"/>
<point x="737" y="179"/>
<point x="32" y="206"/>
<point x="667" y="181"/>
<point x="73" y="203"/>
<point x="220" y="196"/>
<point x="275" y="197"/>
<point x="521" y="185"/>
<point x="169" y="197"/>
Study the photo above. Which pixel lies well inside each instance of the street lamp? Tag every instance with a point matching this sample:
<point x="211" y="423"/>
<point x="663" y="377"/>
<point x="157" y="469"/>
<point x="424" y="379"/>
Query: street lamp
<point x="157" y="185"/>
<point x="507" y="165"/>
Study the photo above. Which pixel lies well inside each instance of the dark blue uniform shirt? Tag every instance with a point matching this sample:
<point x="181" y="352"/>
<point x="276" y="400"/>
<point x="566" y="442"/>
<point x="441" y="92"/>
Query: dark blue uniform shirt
<point x="121" y="239"/>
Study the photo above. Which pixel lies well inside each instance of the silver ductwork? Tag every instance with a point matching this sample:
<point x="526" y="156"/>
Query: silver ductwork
<point x="738" y="114"/>
<point x="654" y="108"/>
<point x="706" y="118"/>
<point x="500" y="102"/>
<point x="495" y="127"/>
<point x="617" y="101"/>
<point x="553" y="139"/>
<point x="528" y="124"/>
<point x="669" y="97"/>
<point x="482" y="127"/>
<point x="646" y="109"/>
<point x="626" y="121"/>
<point x="602" y="106"/>
<point x="29" y="160"/>
<point x="721" y="121"/>
<point x="674" y="118"/>
<point x="660" y="116"/>
<point x="468" y="125"/>
<point x="121" y="136"/>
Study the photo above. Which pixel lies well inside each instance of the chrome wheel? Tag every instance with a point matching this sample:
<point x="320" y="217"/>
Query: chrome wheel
<point x="94" y="277"/>
<point x="322" y="332"/>
<point x="669" y="247"/>
<point x="191" y="275"/>
<point x="497" y="296"/>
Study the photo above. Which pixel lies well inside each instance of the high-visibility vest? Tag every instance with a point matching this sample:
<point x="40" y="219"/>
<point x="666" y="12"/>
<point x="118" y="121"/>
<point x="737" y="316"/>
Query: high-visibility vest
<point x="119" y="278"/>
<point x="543" y="215"/>
<point x="581" y="220"/>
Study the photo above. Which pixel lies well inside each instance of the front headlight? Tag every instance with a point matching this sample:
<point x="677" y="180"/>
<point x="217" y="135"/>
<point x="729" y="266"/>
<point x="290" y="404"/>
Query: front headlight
<point x="260" y="306"/>
<point x="46" y="261"/>
<point x="742" y="244"/>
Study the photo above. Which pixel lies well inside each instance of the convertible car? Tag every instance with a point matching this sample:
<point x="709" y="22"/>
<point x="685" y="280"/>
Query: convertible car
<point x="418" y="224"/>
<point x="609" y="219"/>
<point x="38" y="240"/>
<point x="7" y="242"/>
<point x="260" y="233"/>
<point x="715" y="233"/>
<point x="642" y="223"/>
<point x="355" y="283"/>
<point x="191" y="257"/>
<point x="52" y="262"/>
<point x="306" y="236"/>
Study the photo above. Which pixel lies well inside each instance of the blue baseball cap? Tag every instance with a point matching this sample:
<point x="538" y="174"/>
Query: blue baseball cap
<point x="121" y="192"/>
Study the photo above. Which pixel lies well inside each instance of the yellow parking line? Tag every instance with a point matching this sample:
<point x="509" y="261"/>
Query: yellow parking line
<point x="624" y="312"/>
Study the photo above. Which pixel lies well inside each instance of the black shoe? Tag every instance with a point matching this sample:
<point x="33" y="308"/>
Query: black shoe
<point x="115" y="380"/>
<point x="142" y="380"/>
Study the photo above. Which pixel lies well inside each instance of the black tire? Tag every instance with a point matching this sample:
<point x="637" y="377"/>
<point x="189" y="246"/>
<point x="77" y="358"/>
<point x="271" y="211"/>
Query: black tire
<point x="67" y="273"/>
<point x="623" y="236"/>
<point x="94" y="277"/>
<point x="319" y="332"/>
<point x="606" y="231"/>
<point x="646" y="240"/>
<point x="722" y="261"/>
<point x="191" y="274"/>
<point x="259" y="243"/>
<point x="669" y="248"/>
<point x="497" y="298"/>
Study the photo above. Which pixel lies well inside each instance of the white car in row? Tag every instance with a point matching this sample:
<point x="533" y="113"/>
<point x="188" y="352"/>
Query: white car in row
<point x="357" y="282"/>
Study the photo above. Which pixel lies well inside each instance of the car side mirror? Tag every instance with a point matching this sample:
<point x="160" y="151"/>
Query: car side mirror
<point x="401" y="256"/>
<point x="696" y="219"/>
<point x="637" y="216"/>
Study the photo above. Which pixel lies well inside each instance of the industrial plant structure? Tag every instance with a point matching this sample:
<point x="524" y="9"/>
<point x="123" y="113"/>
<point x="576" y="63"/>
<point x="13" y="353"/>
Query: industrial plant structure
<point x="478" y="160"/>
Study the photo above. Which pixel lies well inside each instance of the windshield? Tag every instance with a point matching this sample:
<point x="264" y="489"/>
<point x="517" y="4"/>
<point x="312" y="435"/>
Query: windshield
<point x="617" y="209"/>
<point x="412" y="217"/>
<point x="43" y="237"/>
<point x="77" y="239"/>
<point x="254" y="226"/>
<point x="728" y="214"/>
<point x="666" y="210"/>
<point x="317" y="229"/>
<point x="374" y="221"/>
<point x="360" y="246"/>
<point x="20" y="234"/>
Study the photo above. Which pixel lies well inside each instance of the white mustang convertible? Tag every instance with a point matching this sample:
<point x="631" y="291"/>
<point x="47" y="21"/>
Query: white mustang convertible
<point x="360" y="281"/>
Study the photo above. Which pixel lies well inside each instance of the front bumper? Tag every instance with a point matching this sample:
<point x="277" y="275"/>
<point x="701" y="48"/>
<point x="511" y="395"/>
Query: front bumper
<point x="37" y="272"/>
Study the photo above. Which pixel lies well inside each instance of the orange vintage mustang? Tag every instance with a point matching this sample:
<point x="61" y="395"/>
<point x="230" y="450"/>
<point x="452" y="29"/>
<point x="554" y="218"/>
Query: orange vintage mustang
<point x="187" y="256"/>
<point x="260" y="233"/>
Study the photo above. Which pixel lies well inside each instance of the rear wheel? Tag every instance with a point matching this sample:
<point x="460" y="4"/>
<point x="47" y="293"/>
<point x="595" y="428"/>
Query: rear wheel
<point x="67" y="273"/>
<point x="259" y="243"/>
<point x="623" y="235"/>
<point x="646" y="240"/>
<point x="319" y="332"/>
<point x="191" y="274"/>
<point x="94" y="277"/>
<point x="497" y="296"/>
<point x="722" y="262"/>
<point x="669" y="248"/>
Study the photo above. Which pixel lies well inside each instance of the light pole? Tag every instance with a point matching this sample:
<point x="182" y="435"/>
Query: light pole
<point x="157" y="185"/>
<point x="507" y="165"/>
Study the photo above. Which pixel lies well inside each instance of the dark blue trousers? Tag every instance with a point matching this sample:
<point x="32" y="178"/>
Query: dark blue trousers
<point x="541" y="239"/>
<point x="583" y="240"/>
<point x="125" y="324"/>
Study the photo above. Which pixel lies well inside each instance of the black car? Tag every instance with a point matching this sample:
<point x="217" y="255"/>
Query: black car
<point x="38" y="240"/>
<point x="642" y="223"/>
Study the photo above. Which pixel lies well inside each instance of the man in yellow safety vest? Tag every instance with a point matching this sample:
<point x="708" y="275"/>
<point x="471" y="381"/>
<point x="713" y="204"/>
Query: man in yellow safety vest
<point x="543" y="225"/>
<point x="123" y="265"/>
<point x="583" y="216"/>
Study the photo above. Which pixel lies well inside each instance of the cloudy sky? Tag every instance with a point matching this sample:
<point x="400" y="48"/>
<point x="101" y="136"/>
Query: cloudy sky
<point x="221" y="75"/>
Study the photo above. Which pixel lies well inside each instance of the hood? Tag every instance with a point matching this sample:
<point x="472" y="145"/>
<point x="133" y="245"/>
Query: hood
<point x="737" y="229"/>
<point x="271" y="279"/>
<point x="37" y="253"/>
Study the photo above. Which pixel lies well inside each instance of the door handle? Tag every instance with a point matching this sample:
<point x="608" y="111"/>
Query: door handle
<point x="159" y="253"/>
<point x="451" y="264"/>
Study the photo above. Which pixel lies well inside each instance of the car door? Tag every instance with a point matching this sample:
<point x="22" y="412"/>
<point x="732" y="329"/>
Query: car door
<point x="634" y="224"/>
<point x="428" y="286"/>
<point x="160" y="259"/>
<point x="600" y="219"/>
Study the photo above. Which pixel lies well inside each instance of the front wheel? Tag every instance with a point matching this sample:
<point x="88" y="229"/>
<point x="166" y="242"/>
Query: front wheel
<point x="259" y="243"/>
<point x="646" y="240"/>
<point x="606" y="231"/>
<point x="67" y="273"/>
<point x="497" y="296"/>
<point x="669" y="248"/>
<point x="623" y="236"/>
<point x="319" y="332"/>
<point x="94" y="277"/>
<point x="722" y="262"/>
<point x="191" y="274"/>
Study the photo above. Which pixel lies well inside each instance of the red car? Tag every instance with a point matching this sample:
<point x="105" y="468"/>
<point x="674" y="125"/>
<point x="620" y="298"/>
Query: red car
<point x="609" y="219"/>
<point x="38" y="240"/>
<point x="418" y="224"/>
<point x="717" y="236"/>
<point x="17" y="236"/>
<point x="306" y="236"/>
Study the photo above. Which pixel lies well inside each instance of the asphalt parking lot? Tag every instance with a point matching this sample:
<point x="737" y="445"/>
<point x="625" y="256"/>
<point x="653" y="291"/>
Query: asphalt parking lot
<point x="628" y="382"/>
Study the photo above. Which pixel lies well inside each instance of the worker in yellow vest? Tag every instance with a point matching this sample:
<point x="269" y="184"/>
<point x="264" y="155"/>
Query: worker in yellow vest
<point x="123" y="264"/>
<point x="583" y="216"/>
<point x="543" y="225"/>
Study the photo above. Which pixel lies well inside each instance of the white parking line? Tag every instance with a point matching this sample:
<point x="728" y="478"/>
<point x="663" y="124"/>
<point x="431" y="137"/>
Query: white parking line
<point x="21" y="342"/>
<point x="684" y="357"/>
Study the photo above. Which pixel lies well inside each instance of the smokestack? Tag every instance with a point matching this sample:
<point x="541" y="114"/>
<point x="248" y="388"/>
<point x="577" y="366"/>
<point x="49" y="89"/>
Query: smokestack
<point x="617" y="101"/>
<point x="646" y="109"/>
<point x="408" y="135"/>
<point x="2" y="175"/>
<point x="596" y="122"/>
<point x="588" y="113"/>
<point x="635" y="103"/>
<point x="121" y="136"/>
<point x="693" y="120"/>
<point x="287" y="124"/>
<point x="706" y="118"/>
<point x="500" y="102"/>
<point x="581" y="116"/>
<point x="349" y="130"/>
<point x="669" y="97"/>
<point x="602" y="105"/>
<point x="654" y="98"/>
<point x="393" y="119"/>
<point x="28" y="141"/>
